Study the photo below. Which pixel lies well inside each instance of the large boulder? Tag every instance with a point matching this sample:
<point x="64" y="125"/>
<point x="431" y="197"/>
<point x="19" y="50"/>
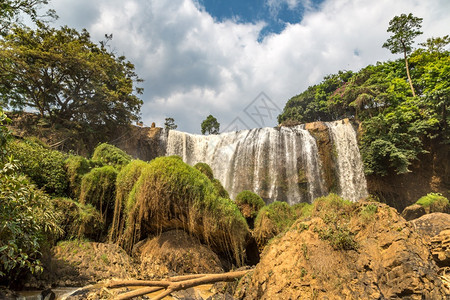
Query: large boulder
<point x="359" y="251"/>
<point x="440" y="248"/>
<point x="413" y="212"/>
<point x="432" y="224"/>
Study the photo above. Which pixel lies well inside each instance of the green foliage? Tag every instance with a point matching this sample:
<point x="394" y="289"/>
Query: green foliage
<point x="170" y="124"/>
<point x="394" y="124"/>
<point x="98" y="189"/>
<point x="221" y="191"/>
<point x="43" y="166"/>
<point x="11" y="12"/>
<point x="210" y="125"/>
<point x="78" y="220"/>
<point x="368" y="211"/>
<point x="434" y="202"/>
<point x="172" y="194"/>
<point x="272" y="220"/>
<point x="111" y="155"/>
<point x="69" y="80"/>
<point x="205" y="169"/>
<point x="76" y="166"/>
<point x="302" y="210"/>
<point x="27" y="220"/>
<point x="249" y="203"/>
<point x="4" y="134"/>
<point x="125" y="181"/>
<point x="336" y="213"/>
<point x="404" y="29"/>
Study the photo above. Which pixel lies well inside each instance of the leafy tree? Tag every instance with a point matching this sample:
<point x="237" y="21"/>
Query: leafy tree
<point x="170" y="124"/>
<point x="3" y="134"/>
<point x="404" y="28"/>
<point x="68" y="79"/>
<point x="436" y="44"/>
<point x="210" y="125"/>
<point x="11" y="10"/>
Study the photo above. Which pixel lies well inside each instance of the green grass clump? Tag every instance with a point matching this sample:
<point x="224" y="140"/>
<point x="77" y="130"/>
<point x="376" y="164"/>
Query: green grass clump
<point x="221" y="191"/>
<point x="205" y="169"/>
<point x="98" y="189"/>
<point x="251" y="200"/>
<point x="272" y="220"/>
<point x="77" y="219"/>
<point x="111" y="155"/>
<point x="76" y="166"/>
<point x="302" y="210"/>
<point x="171" y="194"/>
<point x="125" y="181"/>
<point x="43" y="166"/>
<point x="434" y="202"/>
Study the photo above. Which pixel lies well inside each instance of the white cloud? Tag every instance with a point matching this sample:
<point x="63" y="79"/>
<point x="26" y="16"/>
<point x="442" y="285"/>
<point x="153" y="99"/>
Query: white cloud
<point x="194" y="65"/>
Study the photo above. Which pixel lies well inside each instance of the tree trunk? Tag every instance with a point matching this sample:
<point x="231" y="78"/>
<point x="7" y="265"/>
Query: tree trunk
<point x="407" y="73"/>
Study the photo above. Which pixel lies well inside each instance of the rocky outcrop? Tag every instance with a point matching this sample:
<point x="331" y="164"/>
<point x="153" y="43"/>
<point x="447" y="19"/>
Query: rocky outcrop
<point x="430" y="225"/>
<point x="175" y="253"/>
<point x="388" y="260"/>
<point x="440" y="248"/>
<point x="413" y="212"/>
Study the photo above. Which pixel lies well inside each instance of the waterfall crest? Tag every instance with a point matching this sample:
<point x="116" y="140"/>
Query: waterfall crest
<point x="277" y="163"/>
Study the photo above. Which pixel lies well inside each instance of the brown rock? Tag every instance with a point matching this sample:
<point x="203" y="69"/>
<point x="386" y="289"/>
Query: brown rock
<point x="413" y="212"/>
<point x="390" y="261"/>
<point x="432" y="224"/>
<point x="440" y="248"/>
<point x="174" y="253"/>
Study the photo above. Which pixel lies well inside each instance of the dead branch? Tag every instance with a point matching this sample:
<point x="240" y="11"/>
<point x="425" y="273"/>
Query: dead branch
<point x="172" y="284"/>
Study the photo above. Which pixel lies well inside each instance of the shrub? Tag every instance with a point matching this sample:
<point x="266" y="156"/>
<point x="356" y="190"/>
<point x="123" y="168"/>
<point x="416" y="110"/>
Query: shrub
<point x="125" y="181"/>
<point x="249" y="203"/>
<point x="434" y="202"/>
<point x="272" y="220"/>
<point x="111" y="155"/>
<point x="302" y="210"/>
<point x="221" y="191"/>
<point x="78" y="220"/>
<point x="98" y="189"/>
<point x="205" y="169"/>
<point x="45" y="167"/>
<point x="76" y="166"/>
<point x="171" y="194"/>
<point x="27" y="221"/>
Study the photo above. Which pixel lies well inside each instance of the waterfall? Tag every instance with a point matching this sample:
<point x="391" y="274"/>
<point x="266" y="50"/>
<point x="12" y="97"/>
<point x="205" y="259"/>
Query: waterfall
<point x="276" y="163"/>
<point x="350" y="169"/>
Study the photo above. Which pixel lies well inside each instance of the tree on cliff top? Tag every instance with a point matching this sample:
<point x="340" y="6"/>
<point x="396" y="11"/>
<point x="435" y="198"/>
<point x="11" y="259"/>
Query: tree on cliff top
<point x="210" y="125"/>
<point x="404" y="28"/>
<point x="68" y="79"/>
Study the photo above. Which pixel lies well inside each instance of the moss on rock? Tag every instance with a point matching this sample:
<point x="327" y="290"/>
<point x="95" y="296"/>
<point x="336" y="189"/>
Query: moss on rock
<point x="111" y="155"/>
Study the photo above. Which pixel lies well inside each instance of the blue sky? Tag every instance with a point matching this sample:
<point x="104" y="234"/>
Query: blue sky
<point x="241" y="60"/>
<point x="275" y="14"/>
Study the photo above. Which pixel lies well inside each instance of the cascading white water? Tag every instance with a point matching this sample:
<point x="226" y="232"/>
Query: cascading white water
<point x="271" y="162"/>
<point x="276" y="163"/>
<point x="350" y="169"/>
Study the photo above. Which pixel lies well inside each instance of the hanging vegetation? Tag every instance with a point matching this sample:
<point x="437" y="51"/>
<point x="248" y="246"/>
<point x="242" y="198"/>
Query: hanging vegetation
<point x="171" y="194"/>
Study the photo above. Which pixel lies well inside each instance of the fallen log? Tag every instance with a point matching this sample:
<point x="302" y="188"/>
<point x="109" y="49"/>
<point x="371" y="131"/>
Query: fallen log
<point x="172" y="284"/>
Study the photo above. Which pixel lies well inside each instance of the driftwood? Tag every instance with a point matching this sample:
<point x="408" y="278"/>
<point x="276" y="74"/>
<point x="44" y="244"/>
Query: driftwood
<point x="172" y="284"/>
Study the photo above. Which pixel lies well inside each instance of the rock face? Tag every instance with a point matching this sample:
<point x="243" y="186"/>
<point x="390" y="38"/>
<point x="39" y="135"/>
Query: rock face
<point x="77" y="263"/>
<point x="390" y="261"/>
<point x="431" y="224"/>
<point x="440" y="248"/>
<point x="175" y="253"/>
<point x="413" y="212"/>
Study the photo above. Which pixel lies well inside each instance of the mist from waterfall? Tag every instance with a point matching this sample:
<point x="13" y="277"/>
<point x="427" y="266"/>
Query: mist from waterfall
<point x="276" y="163"/>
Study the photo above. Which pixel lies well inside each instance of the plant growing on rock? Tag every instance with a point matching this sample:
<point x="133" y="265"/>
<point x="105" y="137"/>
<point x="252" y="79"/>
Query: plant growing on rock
<point x="111" y="155"/>
<point x="125" y="181"/>
<point x="98" y="189"/>
<point x="76" y="166"/>
<point x="171" y="194"/>
<point x="249" y="204"/>
<point x="272" y="220"/>
<point x="434" y="202"/>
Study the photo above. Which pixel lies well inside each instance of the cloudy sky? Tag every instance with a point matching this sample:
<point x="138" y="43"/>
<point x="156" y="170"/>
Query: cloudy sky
<point x="241" y="60"/>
